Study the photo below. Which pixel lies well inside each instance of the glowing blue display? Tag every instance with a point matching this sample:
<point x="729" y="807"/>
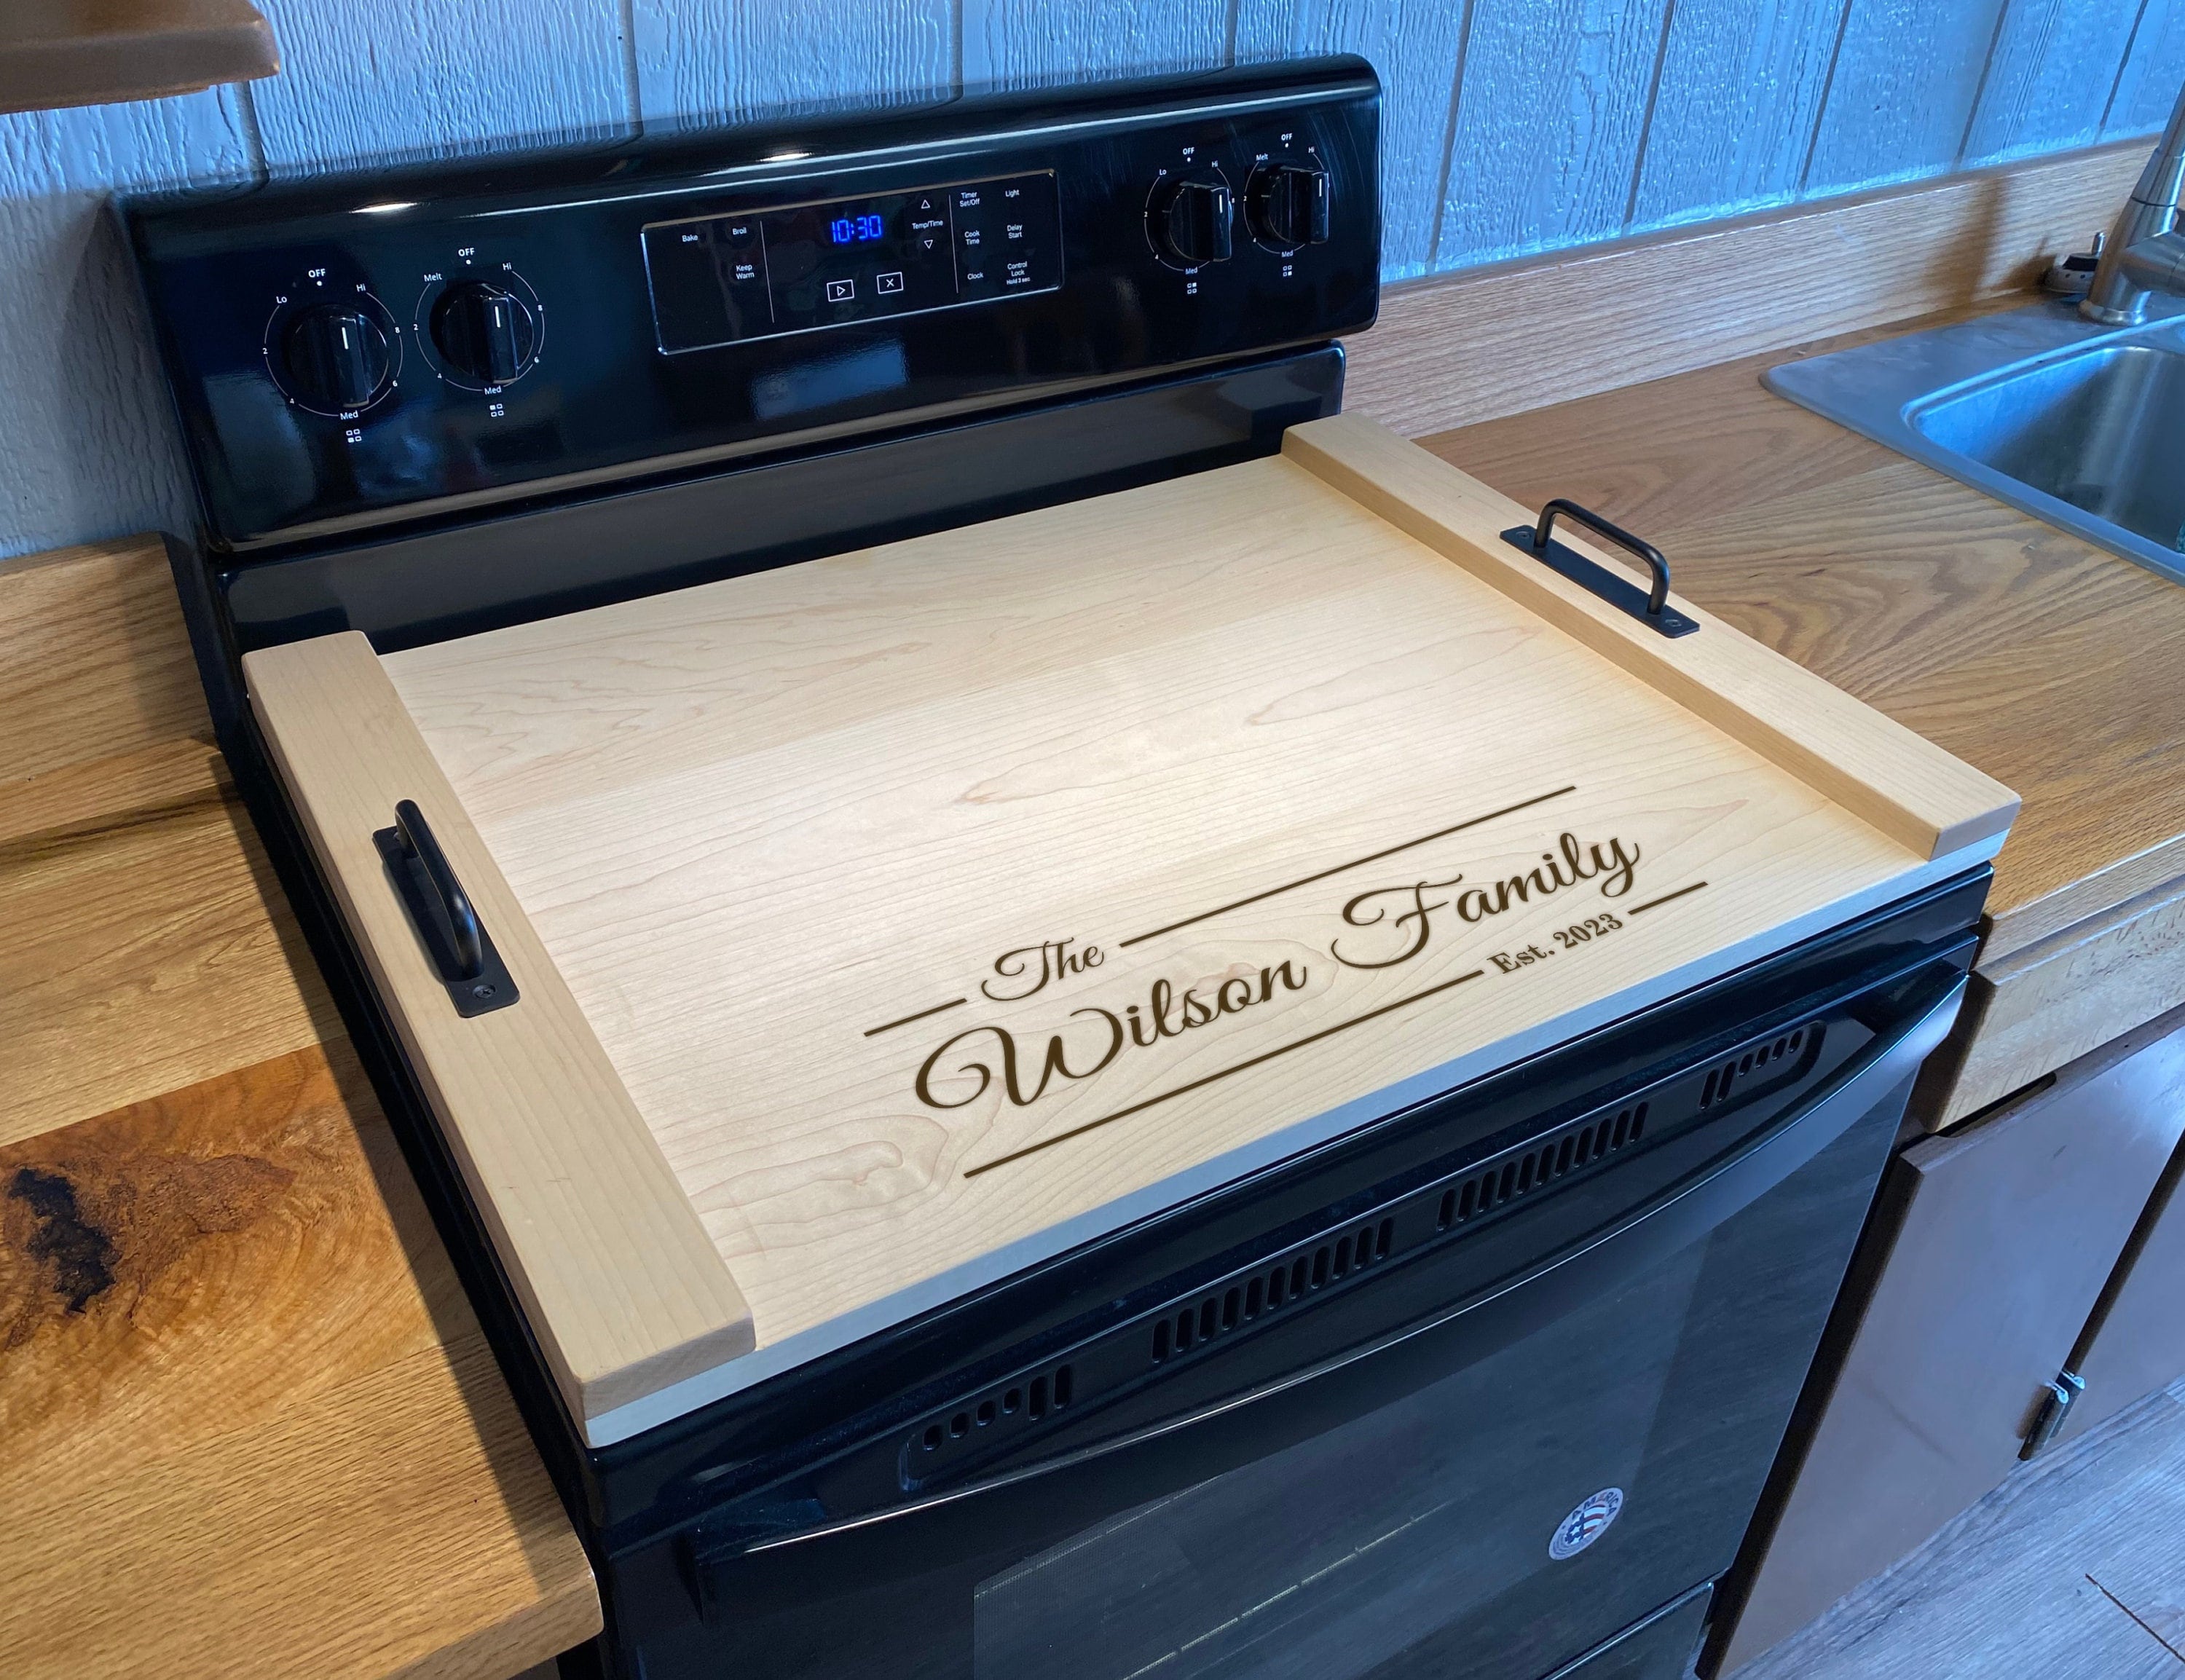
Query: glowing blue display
<point x="856" y="229"/>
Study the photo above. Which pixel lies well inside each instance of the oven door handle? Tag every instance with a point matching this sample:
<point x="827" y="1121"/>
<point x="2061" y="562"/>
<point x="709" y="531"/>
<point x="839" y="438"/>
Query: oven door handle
<point x="1502" y="1312"/>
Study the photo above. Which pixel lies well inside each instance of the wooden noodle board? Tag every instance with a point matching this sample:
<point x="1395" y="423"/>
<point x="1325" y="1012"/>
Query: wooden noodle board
<point x="796" y="848"/>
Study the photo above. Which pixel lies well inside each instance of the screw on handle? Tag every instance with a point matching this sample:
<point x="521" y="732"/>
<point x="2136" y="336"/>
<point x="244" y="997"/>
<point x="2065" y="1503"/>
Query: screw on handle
<point x="462" y="921"/>
<point x="1657" y="595"/>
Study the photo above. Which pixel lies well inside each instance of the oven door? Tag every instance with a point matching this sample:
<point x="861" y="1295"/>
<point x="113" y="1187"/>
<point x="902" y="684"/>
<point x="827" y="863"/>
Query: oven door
<point x="1499" y="1485"/>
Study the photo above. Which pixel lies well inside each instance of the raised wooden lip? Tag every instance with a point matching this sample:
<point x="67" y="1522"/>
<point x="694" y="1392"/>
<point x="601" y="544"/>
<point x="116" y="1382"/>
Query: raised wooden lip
<point x="624" y="1290"/>
<point x="1873" y="766"/>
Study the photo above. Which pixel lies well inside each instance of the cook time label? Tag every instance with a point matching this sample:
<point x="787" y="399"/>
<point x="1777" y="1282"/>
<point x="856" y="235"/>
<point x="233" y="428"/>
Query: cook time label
<point x="1054" y="1020"/>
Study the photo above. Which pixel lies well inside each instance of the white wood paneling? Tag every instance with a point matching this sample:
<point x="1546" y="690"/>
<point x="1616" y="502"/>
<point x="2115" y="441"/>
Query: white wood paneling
<point x="1549" y="124"/>
<point x="1907" y="73"/>
<point x="694" y="61"/>
<point x="357" y="81"/>
<point x="86" y="434"/>
<point x="1024" y="42"/>
<point x="2153" y="65"/>
<point x="2045" y="85"/>
<point x="1734" y="114"/>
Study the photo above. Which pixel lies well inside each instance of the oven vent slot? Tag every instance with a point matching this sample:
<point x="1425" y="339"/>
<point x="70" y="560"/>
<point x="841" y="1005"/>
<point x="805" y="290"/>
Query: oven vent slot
<point x="1720" y="1080"/>
<point x="1025" y="1401"/>
<point x="948" y="1443"/>
<point x="1281" y="1284"/>
<point x="1574" y="1147"/>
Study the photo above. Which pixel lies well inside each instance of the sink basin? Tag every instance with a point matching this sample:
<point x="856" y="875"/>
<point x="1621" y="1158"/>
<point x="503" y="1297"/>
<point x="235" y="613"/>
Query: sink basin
<point x="2078" y="425"/>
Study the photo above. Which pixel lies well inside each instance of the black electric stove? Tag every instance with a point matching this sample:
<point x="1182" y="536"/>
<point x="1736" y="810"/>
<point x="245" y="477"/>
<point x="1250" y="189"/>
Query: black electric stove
<point x="1489" y="1387"/>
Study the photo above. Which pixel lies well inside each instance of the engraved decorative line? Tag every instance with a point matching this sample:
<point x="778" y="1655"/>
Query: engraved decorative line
<point x="1250" y="1062"/>
<point x="1653" y="903"/>
<point x="1371" y="857"/>
<point x="890" y="1026"/>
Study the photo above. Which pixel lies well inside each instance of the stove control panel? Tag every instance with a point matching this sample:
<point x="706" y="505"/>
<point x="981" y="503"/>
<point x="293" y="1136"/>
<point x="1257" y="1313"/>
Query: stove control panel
<point x="352" y="353"/>
<point x="725" y="280"/>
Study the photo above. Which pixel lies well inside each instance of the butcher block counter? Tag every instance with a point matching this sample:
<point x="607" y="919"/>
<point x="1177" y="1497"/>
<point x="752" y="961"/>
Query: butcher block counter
<point x="248" y="1426"/>
<point x="2049" y="663"/>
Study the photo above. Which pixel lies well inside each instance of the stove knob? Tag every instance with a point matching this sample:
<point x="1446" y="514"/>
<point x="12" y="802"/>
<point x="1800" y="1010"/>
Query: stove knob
<point x="1287" y="205"/>
<point x="1190" y="221"/>
<point x="335" y="357"/>
<point x="484" y="333"/>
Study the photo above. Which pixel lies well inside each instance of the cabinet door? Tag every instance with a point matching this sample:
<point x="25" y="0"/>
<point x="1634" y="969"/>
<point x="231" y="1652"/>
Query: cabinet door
<point x="2004" y="1235"/>
<point x="2135" y="1342"/>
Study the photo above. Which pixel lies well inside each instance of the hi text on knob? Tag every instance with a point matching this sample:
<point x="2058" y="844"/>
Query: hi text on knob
<point x="335" y="357"/>
<point x="1287" y="206"/>
<point x="1189" y="220"/>
<point x="484" y="333"/>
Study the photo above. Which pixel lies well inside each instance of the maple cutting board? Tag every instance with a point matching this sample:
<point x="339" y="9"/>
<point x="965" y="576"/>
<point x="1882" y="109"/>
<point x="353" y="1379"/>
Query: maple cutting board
<point x="887" y="922"/>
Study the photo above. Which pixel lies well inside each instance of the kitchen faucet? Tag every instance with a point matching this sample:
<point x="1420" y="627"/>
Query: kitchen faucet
<point x="2145" y="253"/>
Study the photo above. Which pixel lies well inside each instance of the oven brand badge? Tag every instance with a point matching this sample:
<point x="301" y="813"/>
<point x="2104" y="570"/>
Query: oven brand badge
<point x="1586" y="1524"/>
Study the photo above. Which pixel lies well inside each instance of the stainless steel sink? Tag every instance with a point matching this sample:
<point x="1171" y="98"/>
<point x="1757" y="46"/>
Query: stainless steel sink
<point x="2078" y="425"/>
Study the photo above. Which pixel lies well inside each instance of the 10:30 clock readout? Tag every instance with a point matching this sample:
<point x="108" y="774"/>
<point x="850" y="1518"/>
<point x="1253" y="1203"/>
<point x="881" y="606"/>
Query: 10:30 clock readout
<point x="856" y="230"/>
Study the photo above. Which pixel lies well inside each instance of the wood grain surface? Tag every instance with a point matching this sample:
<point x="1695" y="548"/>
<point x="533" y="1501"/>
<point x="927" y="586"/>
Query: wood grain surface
<point x="2051" y="1002"/>
<point x="438" y="77"/>
<point x="2037" y="93"/>
<point x="2039" y="659"/>
<point x="95" y="663"/>
<point x="1911" y="791"/>
<point x="808" y="847"/>
<point x="1515" y="336"/>
<point x="1741" y="85"/>
<point x="57" y="52"/>
<point x="2154" y="65"/>
<point x="624" y="1291"/>
<point x="248" y="1424"/>
<point x="140" y="958"/>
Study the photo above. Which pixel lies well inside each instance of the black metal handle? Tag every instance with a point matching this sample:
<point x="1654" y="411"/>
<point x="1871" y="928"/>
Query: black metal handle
<point x="462" y="921"/>
<point x="1657" y="595"/>
<point x="1652" y="609"/>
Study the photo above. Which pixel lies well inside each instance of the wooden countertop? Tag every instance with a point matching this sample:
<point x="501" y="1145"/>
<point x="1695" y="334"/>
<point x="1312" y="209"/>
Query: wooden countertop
<point x="2045" y="662"/>
<point x="249" y="1425"/>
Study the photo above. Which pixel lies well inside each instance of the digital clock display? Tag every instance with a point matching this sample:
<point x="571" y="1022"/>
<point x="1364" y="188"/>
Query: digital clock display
<point x="795" y="267"/>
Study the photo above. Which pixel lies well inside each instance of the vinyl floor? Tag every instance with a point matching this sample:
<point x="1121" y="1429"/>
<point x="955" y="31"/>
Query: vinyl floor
<point x="2073" y="1569"/>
